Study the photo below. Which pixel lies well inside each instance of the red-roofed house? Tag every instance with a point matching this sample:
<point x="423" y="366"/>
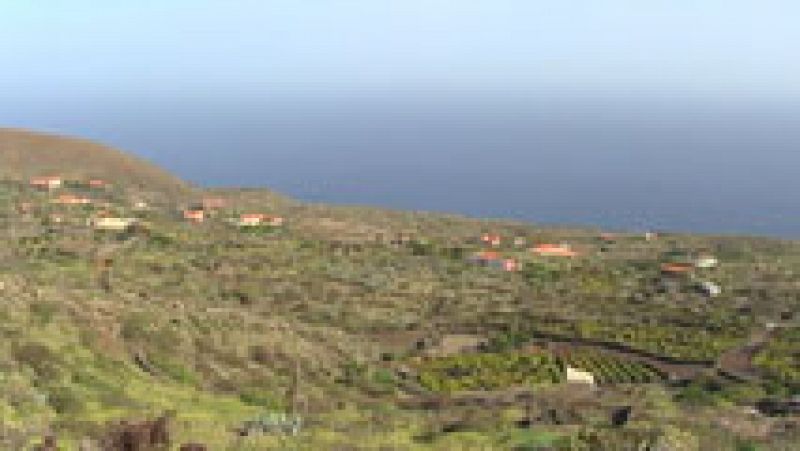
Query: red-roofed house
<point x="553" y="250"/>
<point x="491" y="239"/>
<point x="194" y="215"/>
<point x="71" y="199"/>
<point x="676" y="269"/>
<point x="97" y="183"/>
<point x="46" y="183"/>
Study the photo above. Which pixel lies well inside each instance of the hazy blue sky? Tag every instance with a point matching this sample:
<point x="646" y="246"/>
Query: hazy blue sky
<point x="677" y="114"/>
<point x="208" y="47"/>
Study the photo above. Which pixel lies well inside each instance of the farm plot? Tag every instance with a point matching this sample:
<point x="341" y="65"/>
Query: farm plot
<point x="496" y="371"/>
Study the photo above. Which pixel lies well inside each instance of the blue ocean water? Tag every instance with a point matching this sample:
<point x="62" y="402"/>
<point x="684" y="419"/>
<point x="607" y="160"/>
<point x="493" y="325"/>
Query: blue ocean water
<point x="632" y="164"/>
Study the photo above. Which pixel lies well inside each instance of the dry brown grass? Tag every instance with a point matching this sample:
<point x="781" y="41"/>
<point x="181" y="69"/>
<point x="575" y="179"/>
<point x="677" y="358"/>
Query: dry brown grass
<point x="25" y="154"/>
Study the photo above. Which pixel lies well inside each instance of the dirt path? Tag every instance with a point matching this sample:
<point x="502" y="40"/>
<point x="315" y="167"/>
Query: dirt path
<point x="738" y="362"/>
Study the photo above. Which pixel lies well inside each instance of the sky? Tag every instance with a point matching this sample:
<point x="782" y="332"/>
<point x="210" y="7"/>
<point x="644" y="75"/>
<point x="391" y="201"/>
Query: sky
<point x="628" y="109"/>
<point x="55" y="49"/>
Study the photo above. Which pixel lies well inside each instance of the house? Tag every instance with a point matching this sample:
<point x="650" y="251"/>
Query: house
<point x="553" y="250"/>
<point x="676" y="269"/>
<point x="511" y="265"/>
<point x="195" y="216"/>
<point x="56" y="218"/>
<point x="706" y="261"/>
<point x="258" y="219"/>
<point x="520" y="241"/>
<point x="71" y="199"/>
<point x="484" y="257"/>
<point x="579" y="376"/>
<point x="97" y="183"/>
<point x="607" y="237"/>
<point x="650" y="236"/>
<point x="112" y="223"/>
<point x="491" y="239"/>
<point x="46" y="183"/>
<point x="709" y="289"/>
<point x="213" y="203"/>
<point x="493" y="259"/>
<point x="141" y="205"/>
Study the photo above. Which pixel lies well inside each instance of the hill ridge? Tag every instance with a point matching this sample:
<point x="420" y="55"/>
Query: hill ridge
<point x="26" y="153"/>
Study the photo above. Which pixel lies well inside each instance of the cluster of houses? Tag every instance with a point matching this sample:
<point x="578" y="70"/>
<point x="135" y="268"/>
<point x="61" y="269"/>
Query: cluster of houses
<point x="198" y="213"/>
<point x="676" y="267"/>
<point x="53" y="182"/>
<point x="686" y="268"/>
<point x="209" y="206"/>
<point x="493" y="258"/>
<point x="686" y="264"/>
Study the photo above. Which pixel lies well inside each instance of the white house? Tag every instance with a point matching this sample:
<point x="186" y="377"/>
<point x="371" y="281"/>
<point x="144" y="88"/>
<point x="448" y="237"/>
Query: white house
<point x="118" y="224"/>
<point x="710" y="289"/>
<point x="46" y="183"/>
<point x="706" y="261"/>
<point x="579" y="376"/>
<point x="257" y="219"/>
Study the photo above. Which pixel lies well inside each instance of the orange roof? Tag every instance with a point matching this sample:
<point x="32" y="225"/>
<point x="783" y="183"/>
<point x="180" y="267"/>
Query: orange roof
<point x="47" y="178"/>
<point x="488" y="255"/>
<point x="193" y="214"/>
<point x="676" y="268"/>
<point x="72" y="199"/>
<point x="45" y="181"/>
<point x="548" y="246"/>
<point x="553" y="249"/>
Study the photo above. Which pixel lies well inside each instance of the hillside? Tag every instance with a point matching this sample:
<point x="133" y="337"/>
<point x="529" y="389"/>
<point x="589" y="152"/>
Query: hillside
<point x="24" y="154"/>
<point x="268" y="323"/>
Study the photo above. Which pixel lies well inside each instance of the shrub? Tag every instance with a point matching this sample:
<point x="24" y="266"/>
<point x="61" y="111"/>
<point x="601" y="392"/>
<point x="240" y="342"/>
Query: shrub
<point x="260" y="398"/>
<point x="65" y="400"/>
<point x="43" y="311"/>
<point x="43" y="361"/>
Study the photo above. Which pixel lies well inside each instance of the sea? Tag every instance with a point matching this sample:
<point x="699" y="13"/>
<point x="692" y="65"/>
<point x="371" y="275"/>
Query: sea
<point x="619" y="162"/>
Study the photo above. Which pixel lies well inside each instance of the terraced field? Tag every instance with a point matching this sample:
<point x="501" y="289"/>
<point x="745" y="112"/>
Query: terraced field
<point x="608" y="369"/>
<point x="498" y="371"/>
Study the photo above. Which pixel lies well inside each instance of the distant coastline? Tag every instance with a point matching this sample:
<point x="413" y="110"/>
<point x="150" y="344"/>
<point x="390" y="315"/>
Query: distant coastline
<point x="712" y="168"/>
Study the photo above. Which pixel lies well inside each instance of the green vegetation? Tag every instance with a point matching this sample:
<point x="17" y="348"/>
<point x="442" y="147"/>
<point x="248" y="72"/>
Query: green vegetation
<point x="490" y="371"/>
<point x="608" y="369"/>
<point x="493" y="371"/>
<point x="781" y="359"/>
<point x="336" y="316"/>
